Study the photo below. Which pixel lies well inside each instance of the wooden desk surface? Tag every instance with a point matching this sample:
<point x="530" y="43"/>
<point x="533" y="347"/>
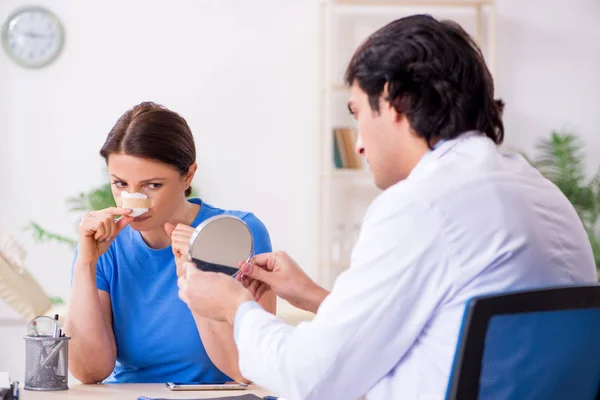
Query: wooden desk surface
<point x="131" y="392"/>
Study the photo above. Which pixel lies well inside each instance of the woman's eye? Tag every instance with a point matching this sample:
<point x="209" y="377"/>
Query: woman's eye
<point x="154" y="185"/>
<point x="120" y="184"/>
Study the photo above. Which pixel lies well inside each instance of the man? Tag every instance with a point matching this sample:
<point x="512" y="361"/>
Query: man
<point x="456" y="219"/>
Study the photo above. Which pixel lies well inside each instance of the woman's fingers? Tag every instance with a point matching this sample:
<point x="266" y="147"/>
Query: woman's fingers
<point x="122" y="223"/>
<point x="181" y="236"/>
<point x="99" y="234"/>
<point x="114" y="211"/>
<point x="184" y="228"/>
<point x="112" y="232"/>
<point x="180" y="247"/>
<point x="107" y="223"/>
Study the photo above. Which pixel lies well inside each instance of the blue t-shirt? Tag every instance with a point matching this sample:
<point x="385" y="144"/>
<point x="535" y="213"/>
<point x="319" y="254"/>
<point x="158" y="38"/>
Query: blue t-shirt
<point x="155" y="333"/>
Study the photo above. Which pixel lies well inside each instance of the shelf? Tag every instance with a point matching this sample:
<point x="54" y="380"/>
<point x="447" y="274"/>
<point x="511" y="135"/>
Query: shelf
<point x="347" y="173"/>
<point x="345" y="194"/>
<point x="339" y="265"/>
<point x="337" y="88"/>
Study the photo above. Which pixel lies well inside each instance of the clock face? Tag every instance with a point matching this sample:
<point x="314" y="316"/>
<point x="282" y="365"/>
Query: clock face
<point x="32" y="37"/>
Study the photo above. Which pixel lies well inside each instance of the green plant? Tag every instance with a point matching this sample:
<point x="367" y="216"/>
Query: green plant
<point x="56" y="300"/>
<point x="562" y="161"/>
<point x="98" y="198"/>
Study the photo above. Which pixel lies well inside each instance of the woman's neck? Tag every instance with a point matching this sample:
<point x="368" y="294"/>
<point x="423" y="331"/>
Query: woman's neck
<point x="158" y="239"/>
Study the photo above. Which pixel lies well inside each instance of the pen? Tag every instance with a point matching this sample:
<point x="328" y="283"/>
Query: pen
<point x="15" y="393"/>
<point x="56" y="327"/>
<point x="52" y="354"/>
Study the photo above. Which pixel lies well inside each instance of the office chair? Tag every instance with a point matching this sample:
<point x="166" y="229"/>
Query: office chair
<point x="535" y="344"/>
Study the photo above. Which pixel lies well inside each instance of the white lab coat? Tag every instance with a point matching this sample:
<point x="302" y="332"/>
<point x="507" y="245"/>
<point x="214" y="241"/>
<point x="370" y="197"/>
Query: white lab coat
<point x="467" y="221"/>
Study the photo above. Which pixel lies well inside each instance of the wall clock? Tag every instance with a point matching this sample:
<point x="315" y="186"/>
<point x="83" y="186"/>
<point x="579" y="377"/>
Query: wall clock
<point x="33" y="37"/>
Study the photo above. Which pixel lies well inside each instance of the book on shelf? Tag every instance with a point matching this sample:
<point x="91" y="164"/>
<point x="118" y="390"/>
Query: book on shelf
<point x="344" y="144"/>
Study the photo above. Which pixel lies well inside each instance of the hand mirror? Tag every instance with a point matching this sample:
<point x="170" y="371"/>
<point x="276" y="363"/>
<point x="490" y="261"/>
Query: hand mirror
<point x="220" y="243"/>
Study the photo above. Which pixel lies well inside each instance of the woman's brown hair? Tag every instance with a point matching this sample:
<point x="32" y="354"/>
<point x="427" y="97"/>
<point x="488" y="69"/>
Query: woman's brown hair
<point x="154" y="132"/>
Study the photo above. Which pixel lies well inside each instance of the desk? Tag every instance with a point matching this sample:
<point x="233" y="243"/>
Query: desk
<point x="131" y="391"/>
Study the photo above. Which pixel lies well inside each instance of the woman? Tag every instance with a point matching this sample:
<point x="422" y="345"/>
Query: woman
<point x="125" y="318"/>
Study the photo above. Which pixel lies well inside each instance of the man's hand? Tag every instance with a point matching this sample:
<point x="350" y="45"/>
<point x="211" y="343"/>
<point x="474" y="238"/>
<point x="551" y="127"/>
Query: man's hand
<point x="278" y="272"/>
<point x="210" y="294"/>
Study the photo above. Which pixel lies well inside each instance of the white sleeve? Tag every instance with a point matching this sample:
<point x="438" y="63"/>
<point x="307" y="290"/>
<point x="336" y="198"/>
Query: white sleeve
<point x="372" y="317"/>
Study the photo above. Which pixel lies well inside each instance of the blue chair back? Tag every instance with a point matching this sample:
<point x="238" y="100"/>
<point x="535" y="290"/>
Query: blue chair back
<point x="536" y="344"/>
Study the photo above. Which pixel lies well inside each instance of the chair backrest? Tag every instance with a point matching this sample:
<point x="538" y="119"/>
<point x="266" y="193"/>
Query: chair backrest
<point x="536" y="344"/>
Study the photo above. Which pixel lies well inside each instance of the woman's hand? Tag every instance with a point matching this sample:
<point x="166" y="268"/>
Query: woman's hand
<point x="180" y="242"/>
<point x="98" y="229"/>
<point x="210" y="294"/>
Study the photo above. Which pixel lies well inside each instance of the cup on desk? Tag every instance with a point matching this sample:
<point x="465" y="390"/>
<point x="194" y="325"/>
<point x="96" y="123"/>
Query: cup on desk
<point x="46" y="360"/>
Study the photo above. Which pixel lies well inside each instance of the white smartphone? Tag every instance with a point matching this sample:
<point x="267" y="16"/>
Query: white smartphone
<point x="207" y="386"/>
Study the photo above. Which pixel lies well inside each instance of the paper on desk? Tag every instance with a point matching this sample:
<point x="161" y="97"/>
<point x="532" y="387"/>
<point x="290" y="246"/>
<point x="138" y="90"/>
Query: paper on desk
<point x="242" y="397"/>
<point x="4" y="380"/>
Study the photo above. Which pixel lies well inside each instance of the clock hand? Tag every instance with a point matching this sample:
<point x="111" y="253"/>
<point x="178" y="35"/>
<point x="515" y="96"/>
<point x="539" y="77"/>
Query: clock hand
<point x="34" y="35"/>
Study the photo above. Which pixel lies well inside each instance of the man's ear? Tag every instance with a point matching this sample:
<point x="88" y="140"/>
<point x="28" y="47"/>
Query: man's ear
<point x="388" y="105"/>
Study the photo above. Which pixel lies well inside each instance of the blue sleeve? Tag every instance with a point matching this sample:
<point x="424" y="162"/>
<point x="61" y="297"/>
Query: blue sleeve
<point x="101" y="280"/>
<point x="260" y="234"/>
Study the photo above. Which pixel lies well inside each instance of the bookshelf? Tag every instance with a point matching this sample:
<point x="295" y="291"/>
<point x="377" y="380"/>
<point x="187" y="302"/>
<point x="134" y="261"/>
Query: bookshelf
<point x="345" y="193"/>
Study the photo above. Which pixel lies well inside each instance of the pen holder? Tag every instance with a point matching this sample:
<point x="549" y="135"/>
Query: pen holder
<point x="46" y="362"/>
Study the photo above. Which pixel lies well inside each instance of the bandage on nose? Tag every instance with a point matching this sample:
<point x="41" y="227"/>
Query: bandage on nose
<point x="138" y="202"/>
<point x="132" y="202"/>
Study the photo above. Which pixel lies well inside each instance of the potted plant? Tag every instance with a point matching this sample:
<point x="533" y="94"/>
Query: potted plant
<point x="560" y="158"/>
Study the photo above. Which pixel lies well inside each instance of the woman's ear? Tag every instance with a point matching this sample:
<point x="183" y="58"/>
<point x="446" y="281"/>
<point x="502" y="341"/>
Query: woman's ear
<point x="189" y="176"/>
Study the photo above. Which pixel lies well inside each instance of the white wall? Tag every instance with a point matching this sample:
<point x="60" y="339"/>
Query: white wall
<point x="244" y="74"/>
<point x="549" y="70"/>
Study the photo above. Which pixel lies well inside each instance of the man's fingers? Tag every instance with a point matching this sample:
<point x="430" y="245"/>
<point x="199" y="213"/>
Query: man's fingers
<point x="267" y="261"/>
<point x="253" y="286"/>
<point x="262" y="288"/>
<point x="262" y="259"/>
<point x="245" y="280"/>
<point x="256" y="272"/>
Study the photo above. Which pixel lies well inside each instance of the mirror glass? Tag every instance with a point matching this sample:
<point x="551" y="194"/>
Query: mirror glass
<point x="220" y="243"/>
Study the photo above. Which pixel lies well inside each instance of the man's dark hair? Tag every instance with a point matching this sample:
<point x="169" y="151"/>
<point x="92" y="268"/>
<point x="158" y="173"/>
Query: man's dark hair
<point x="436" y="76"/>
